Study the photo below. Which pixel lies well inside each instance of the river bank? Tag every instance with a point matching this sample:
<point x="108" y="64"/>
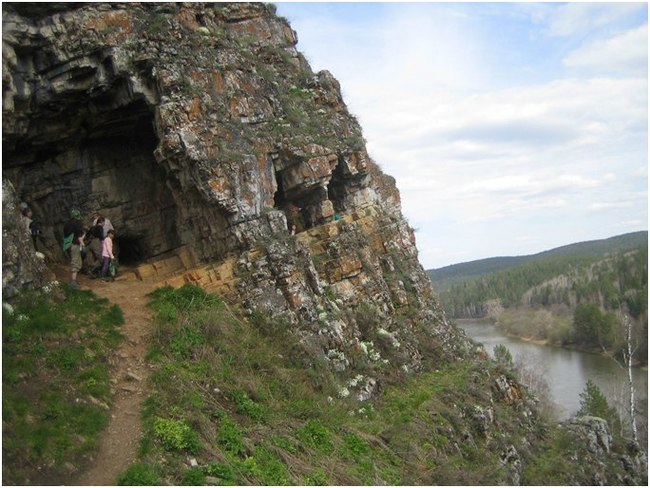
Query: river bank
<point x="547" y="342"/>
<point x="565" y="371"/>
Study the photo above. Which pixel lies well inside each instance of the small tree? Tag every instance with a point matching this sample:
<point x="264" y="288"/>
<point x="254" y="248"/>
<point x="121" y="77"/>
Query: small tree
<point x="628" y="351"/>
<point x="503" y="356"/>
<point x="594" y="403"/>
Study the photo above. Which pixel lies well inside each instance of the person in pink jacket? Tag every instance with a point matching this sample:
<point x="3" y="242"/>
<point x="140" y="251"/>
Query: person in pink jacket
<point x="107" y="252"/>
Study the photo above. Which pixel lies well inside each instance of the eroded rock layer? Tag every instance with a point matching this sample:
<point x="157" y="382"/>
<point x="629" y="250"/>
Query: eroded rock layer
<point x="204" y="135"/>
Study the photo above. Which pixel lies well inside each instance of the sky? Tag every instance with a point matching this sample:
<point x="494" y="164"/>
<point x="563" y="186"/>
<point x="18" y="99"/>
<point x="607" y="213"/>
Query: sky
<point x="511" y="128"/>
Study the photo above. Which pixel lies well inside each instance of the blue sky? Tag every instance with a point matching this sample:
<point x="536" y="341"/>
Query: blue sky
<point x="511" y="128"/>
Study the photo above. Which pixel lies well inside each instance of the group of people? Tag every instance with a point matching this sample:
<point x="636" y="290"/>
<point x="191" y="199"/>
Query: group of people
<point x="93" y="245"/>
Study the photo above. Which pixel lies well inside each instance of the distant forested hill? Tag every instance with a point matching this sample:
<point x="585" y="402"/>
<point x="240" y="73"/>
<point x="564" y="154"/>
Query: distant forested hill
<point x="578" y="295"/>
<point x="567" y="274"/>
<point x="443" y="278"/>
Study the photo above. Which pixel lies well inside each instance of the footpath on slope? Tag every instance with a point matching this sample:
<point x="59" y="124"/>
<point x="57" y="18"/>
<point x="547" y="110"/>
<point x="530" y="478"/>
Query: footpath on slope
<point x="119" y="443"/>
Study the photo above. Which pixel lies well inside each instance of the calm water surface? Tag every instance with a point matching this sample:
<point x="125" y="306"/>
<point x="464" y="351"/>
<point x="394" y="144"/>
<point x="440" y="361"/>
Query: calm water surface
<point x="565" y="371"/>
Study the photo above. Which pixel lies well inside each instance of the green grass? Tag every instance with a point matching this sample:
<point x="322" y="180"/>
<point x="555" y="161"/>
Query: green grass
<point x="242" y="397"/>
<point x="55" y="373"/>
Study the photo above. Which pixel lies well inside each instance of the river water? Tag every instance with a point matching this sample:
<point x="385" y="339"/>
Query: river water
<point x="566" y="372"/>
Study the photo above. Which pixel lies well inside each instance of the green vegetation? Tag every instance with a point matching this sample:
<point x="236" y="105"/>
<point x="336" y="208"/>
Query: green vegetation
<point x="573" y="296"/>
<point x="55" y="379"/>
<point x="444" y="277"/>
<point x="592" y="327"/>
<point x="237" y="397"/>
<point x="553" y="464"/>
<point x="594" y="403"/>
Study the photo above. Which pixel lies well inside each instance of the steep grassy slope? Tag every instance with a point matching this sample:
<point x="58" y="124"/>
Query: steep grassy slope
<point x="236" y="401"/>
<point x="55" y="382"/>
<point x="243" y="400"/>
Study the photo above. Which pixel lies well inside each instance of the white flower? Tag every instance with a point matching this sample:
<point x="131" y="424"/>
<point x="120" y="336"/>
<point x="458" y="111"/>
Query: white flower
<point x="21" y="317"/>
<point x="8" y="308"/>
<point x="344" y="393"/>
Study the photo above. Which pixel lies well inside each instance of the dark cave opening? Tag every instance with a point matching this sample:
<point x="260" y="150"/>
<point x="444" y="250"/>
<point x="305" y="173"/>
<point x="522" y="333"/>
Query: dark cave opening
<point x="130" y="249"/>
<point x="336" y="190"/>
<point x="107" y="166"/>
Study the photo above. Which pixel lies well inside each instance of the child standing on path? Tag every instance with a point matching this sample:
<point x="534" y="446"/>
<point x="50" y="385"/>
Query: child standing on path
<point x="107" y="253"/>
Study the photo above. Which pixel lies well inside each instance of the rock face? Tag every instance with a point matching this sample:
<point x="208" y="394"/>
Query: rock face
<point x="21" y="267"/>
<point x="203" y="134"/>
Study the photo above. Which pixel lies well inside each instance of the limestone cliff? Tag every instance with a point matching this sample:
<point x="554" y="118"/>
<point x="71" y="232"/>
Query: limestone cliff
<point x="199" y="130"/>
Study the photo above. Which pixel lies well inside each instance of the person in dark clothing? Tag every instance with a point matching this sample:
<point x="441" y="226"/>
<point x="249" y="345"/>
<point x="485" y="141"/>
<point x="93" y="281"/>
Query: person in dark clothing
<point x="73" y="234"/>
<point x="94" y="239"/>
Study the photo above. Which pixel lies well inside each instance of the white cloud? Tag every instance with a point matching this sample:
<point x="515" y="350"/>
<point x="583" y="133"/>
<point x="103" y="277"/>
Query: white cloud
<point x="624" y="53"/>
<point x="579" y="17"/>
<point x="504" y="161"/>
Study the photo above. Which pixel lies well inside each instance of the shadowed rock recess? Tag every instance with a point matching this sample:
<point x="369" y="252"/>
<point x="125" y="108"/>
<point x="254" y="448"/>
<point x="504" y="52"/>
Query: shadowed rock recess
<point x="197" y="128"/>
<point x="203" y="135"/>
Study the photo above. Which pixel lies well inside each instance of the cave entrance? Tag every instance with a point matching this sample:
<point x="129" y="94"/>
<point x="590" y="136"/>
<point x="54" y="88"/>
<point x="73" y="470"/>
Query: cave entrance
<point x="337" y="188"/>
<point x="299" y="208"/>
<point x="106" y="166"/>
<point x="131" y="249"/>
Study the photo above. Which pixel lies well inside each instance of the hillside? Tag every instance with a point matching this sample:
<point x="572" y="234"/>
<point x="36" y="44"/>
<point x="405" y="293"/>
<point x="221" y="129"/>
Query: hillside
<point x="574" y="296"/>
<point x="443" y="278"/>
<point x="271" y="323"/>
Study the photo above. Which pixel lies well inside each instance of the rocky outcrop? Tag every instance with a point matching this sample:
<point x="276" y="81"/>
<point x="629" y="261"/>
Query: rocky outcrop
<point x="204" y="135"/>
<point x="22" y="268"/>
<point x="596" y="461"/>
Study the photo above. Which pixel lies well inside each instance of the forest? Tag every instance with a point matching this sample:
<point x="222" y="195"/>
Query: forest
<point x="580" y="298"/>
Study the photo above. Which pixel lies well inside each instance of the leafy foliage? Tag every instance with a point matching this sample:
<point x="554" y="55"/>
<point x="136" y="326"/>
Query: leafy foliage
<point x="139" y="475"/>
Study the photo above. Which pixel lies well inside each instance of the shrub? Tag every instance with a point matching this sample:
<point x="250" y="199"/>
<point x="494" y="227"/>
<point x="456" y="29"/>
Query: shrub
<point x="316" y="435"/>
<point x="194" y="477"/>
<point x="176" y="435"/>
<point x="139" y="475"/>
<point x="222" y="471"/>
<point x="230" y="436"/>
<point x="246" y="406"/>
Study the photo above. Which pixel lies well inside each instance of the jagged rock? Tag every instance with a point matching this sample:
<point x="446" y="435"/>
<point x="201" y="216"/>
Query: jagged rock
<point x="22" y="268"/>
<point x="594" y="431"/>
<point x="483" y="418"/>
<point x="508" y="390"/>
<point x="512" y="462"/>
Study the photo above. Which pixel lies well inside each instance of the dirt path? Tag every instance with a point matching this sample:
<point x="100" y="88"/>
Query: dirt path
<point x="120" y="441"/>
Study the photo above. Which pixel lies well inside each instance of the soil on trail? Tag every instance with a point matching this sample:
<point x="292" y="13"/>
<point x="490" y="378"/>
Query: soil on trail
<point x="120" y="441"/>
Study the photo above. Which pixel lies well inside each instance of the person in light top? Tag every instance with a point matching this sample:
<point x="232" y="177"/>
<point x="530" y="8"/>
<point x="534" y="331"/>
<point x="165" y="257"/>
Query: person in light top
<point x="106" y="223"/>
<point x="107" y="252"/>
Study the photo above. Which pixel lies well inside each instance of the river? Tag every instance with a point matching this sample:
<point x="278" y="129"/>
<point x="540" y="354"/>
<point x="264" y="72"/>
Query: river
<point x="566" y="371"/>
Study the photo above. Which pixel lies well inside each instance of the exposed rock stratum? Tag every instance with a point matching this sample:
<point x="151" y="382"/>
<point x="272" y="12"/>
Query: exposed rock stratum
<point x="199" y="130"/>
